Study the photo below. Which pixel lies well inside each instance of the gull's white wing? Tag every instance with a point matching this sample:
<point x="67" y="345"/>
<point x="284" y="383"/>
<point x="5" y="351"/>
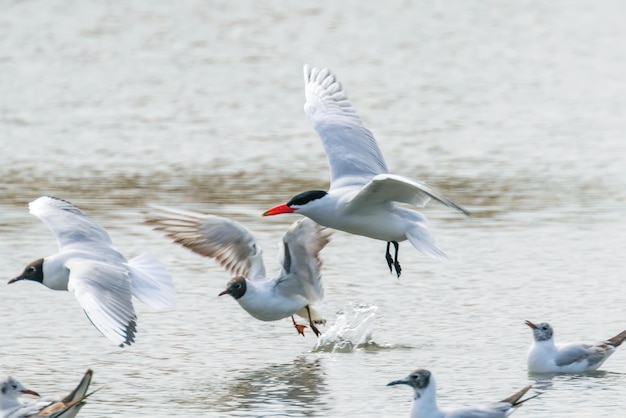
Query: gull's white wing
<point x="299" y="257"/>
<point x="104" y="292"/>
<point x="353" y="154"/>
<point x="230" y="243"/>
<point x="68" y="223"/>
<point x="573" y="353"/>
<point x="393" y="188"/>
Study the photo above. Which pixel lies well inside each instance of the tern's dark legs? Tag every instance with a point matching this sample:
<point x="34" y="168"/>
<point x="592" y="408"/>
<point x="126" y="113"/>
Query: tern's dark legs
<point x="313" y="327"/>
<point x="300" y="328"/>
<point x="393" y="261"/>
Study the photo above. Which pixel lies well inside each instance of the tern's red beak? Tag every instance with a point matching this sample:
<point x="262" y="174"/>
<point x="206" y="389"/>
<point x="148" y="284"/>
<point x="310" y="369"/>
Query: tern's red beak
<point x="277" y="210"/>
<point x="530" y="324"/>
<point x="30" y="392"/>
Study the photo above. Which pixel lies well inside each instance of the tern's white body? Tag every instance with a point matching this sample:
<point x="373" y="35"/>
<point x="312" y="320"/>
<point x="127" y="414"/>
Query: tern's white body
<point x="295" y="287"/>
<point x="544" y="356"/>
<point x="364" y="197"/>
<point x="101" y="278"/>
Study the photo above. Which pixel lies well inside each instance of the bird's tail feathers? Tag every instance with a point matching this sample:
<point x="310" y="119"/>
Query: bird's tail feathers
<point x="618" y="339"/>
<point x="151" y="283"/>
<point x="79" y="392"/>
<point x="419" y="237"/>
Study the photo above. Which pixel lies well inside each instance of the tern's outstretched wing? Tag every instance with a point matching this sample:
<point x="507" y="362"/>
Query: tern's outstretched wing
<point x="299" y="258"/>
<point x="230" y="243"/>
<point x="104" y="292"/>
<point x="68" y="223"/>
<point x="393" y="188"/>
<point x="353" y="154"/>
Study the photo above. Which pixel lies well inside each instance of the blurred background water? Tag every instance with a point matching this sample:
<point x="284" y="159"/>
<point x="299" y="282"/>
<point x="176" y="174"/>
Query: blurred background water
<point x="516" y="110"/>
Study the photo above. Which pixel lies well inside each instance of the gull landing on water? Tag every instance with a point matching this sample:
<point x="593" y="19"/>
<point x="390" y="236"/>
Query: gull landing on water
<point x="425" y="400"/>
<point x="363" y="197"/>
<point x="68" y="407"/>
<point x="100" y="277"/>
<point x="290" y="292"/>
<point x="545" y="356"/>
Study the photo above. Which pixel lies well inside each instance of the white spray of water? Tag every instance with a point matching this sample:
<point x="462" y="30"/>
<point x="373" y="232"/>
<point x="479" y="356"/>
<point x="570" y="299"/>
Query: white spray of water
<point x="351" y="330"/>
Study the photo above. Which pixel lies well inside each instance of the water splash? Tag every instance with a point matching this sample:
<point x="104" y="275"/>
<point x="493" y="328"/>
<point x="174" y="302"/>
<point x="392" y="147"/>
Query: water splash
<point x="352" y="330"/>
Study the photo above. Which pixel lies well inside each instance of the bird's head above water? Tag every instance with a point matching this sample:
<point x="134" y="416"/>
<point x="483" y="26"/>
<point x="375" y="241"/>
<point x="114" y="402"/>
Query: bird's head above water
<point x="297" y="203"/>
<point x="33" y="271"/>
<point x="236" y="287"/>
<point x="11" y="388"/>
<point x="542" y="331"/>
<point x="419" y="380"/>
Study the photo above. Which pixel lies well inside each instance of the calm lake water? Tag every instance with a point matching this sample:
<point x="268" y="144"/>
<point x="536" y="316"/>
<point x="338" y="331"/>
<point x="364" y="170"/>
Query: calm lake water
<point x="516" y="110"/>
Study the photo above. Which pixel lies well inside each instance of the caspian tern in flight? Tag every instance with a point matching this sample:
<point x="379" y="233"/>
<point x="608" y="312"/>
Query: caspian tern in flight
<point x="425" y="400"/>
<point x="364" y="197"/>
<point x="546" y="357"/>
<point x="100" y="277"/>
<point x="67" y="407"/>
<point x="296" y="286"/>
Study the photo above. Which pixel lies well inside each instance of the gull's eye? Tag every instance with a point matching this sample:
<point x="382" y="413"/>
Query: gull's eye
<point x="32" y="269"/>
<point x="14" y="386"/>
<point x="545" y="328"/>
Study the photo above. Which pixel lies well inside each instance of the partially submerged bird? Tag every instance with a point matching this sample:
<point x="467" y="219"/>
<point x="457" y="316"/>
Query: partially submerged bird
<point x="363" y="198"/>
<point x="100" y="277"/>
<point x="292" y="291"/>
<point x="68" y="407"/>
<point x="425" y="400"/>
<point x="545" y="356"/>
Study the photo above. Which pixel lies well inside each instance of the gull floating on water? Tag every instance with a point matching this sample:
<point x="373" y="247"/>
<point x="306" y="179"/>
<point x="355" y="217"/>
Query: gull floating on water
<point x="67" y="407"/>
<point x="100" y="277"/>
<point x="292" y="291"/>
<point x="425" y="400"/>
<point x="363" y="196"/>
<point x="545" y="356"/>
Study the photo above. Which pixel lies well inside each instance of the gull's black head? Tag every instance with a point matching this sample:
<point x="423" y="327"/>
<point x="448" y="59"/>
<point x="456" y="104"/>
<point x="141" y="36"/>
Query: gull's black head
<point x="297" y="202"/>
<point x="418" y="380"/>
<point x="33" y="271"/>
<point x="236" y="287"/>
<point x="542" y="331"/>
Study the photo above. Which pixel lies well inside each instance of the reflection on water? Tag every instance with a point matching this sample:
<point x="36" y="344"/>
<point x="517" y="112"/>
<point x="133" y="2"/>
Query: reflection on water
<point x="293" y="388"/>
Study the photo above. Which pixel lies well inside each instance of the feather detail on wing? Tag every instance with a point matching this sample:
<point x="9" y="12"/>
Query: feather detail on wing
<point x="230" y="243"/>
<point x="104" y="292"/>
<point x="393" y="188"/>
<point x="353" y="154"/>
<point x="68" y="223"/>
<point x="299" y="257"/>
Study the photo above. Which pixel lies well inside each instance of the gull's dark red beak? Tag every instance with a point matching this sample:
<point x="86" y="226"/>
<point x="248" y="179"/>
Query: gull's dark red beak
<point x="530" y="324"/>
<point x="30" y="392"/>
<point x="277" y="210"/>
<point x="225" y="292"/>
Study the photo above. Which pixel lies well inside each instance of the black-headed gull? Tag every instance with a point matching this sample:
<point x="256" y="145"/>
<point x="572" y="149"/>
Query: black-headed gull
<point x="67" y="407"/>
<point x="100" y="277"/>
<point x="363" y="197"/>
<point x="425" y="400"/>
<point x="296" y="286"/>
<point x="545" y="356"/>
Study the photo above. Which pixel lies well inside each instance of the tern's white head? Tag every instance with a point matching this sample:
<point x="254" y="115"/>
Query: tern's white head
<point x="33" y="271"/>
<point x="298" y="204"/>
<point x="10" y="388"/>
<point x="542" y="331"/>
